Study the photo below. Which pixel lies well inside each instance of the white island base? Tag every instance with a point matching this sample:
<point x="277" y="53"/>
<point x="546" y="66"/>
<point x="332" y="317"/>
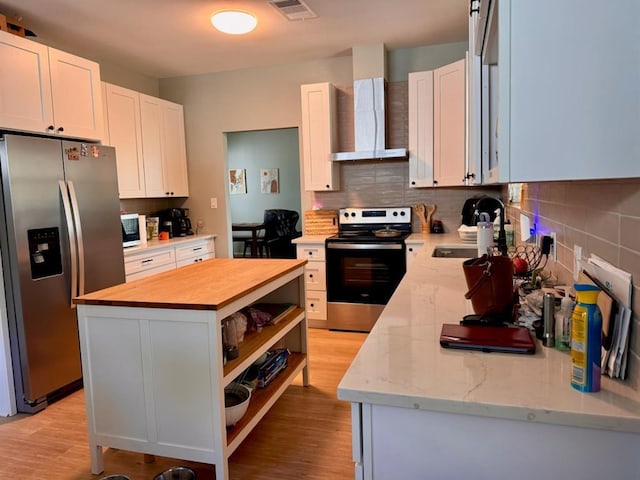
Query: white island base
<point x="154" y="377"/>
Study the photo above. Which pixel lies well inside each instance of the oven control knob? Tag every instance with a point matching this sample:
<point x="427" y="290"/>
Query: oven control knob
<point x="402" y="213"/>
<point x="353" y="214"/>
<point x="346" y="214"/>
<point x="395" y="214"/>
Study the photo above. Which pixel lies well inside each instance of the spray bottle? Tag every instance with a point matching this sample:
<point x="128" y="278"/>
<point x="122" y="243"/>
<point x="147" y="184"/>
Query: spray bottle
<point x="586" y="339"/>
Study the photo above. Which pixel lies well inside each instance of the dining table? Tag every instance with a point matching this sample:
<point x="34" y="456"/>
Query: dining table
<point x="252" y="227"/>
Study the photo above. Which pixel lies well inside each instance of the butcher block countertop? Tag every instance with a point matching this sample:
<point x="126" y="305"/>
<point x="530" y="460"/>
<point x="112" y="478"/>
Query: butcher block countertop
<point x="208" y="285"/>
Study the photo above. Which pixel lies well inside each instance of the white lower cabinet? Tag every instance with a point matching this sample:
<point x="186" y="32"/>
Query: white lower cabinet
<point x="149" y="263"/>
<point x="154" y="260"/>
<point x="388" y="440"/>
<point x="413" y="249"/>
<point x="194" y="253"/>
<point x="315" y="282"/>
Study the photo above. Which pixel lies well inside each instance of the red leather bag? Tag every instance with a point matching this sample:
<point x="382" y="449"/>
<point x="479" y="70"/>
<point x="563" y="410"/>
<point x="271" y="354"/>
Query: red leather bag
<point x="490" y="283"/>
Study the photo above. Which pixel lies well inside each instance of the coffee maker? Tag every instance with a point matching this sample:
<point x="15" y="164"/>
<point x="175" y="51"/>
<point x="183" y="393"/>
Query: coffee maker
<point x="175" y="221"/>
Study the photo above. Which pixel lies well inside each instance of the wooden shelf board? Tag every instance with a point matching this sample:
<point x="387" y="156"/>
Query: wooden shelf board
<point x="255" y="341"/>
<point x="261" y="397"/>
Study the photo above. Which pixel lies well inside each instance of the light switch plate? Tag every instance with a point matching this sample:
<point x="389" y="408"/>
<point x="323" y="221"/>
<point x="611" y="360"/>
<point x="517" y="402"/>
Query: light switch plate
<point x="214" y="202"/>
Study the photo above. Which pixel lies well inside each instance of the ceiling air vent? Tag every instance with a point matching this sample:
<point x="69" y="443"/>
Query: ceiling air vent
<point x="293" y="9"/>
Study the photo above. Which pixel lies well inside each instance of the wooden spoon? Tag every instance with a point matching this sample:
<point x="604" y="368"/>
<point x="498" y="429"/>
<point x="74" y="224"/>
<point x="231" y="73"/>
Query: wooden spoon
<point x="430" y="210"/>
<point x="420" y="211"/>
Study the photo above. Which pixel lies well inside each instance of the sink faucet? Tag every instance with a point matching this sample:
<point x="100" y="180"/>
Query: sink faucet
<point x="502" y="236"/>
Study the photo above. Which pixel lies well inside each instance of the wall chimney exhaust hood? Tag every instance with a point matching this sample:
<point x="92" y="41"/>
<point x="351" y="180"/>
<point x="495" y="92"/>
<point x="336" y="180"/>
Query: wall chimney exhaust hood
<point x="369" y="69"/>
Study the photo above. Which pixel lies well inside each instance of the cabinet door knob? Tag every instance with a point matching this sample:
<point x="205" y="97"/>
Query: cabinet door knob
<point x="60" y="129"/>
<point x="435" y="182"/>
<point x="413" y="182"/>
<point x="311" y="275"/>
<point x="410" y="249"/>
<point x="328" y="186"/>
<point x="50" y="128"/>
<point x="311" y="305"/>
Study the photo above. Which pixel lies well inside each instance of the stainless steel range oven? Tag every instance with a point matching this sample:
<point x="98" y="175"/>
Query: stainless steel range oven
<point x="365" y="262"/>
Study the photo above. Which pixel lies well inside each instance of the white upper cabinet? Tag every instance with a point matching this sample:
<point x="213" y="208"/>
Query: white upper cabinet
<point x="123" y="131"/>
<point x="437" y="126"/>
<point x="163" y="144"/>
<point x="449" y="124"/>
<point x="565" y="88"/>
<point x="319" y="137"/>
<point x="421" y="129"/>
<point x="47" y="91"/>
<point x="148" y="134"/>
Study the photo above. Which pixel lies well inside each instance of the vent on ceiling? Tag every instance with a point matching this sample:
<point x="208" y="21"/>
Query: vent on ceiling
<point x="293" y="9"/>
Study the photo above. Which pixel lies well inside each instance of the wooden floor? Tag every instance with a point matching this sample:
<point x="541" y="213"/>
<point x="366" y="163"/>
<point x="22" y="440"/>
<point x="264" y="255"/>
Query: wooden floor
<point x="306" y="435"/>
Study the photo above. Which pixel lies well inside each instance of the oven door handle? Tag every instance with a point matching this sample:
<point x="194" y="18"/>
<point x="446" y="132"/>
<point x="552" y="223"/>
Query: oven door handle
<point x="364" y="246"/>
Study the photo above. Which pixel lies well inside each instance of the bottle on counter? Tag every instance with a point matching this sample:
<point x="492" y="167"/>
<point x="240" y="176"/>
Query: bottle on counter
<point x="485" y="234"/>
<point x="563" y="325"/>
<point x="548" y="319"/>
<point x="586" y="339"/>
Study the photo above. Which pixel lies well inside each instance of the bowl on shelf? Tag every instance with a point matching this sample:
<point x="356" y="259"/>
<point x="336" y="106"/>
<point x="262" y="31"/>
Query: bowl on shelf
<point x="236" y="402"/>
<point x="468" y="233"/>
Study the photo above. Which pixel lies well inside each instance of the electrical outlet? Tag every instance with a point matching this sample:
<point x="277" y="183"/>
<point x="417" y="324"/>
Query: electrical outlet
<point x="554" y="246"/>
<point x="214" y="202"/>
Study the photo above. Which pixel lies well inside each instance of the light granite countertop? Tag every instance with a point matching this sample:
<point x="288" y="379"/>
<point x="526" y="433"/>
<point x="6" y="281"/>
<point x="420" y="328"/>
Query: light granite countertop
<point x="402" y="364"/>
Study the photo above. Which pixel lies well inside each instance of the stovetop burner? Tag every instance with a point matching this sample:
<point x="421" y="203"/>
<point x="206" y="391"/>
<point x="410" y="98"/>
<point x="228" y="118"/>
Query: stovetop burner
<point x="361" y="224"/>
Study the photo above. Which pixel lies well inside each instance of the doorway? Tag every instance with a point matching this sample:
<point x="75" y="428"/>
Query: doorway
<point x="263" y="172"/>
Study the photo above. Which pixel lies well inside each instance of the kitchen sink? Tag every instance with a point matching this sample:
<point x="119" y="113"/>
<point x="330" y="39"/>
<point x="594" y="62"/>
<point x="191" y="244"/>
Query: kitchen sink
<point x="455" y="251"/>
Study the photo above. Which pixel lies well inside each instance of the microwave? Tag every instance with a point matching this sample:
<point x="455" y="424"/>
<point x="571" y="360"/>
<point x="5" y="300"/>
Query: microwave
<point x="130" y="229"/>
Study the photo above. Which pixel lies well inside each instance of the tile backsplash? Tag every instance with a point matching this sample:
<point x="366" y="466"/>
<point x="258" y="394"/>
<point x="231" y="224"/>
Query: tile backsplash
<point x="385" y="183"/>
<point x="603" y="217"/>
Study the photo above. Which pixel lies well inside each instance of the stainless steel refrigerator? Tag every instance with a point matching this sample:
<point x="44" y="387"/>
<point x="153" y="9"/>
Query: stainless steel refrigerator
<point x="60" y="237"/>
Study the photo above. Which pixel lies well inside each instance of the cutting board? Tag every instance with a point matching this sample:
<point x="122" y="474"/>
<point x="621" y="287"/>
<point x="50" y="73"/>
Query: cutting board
<point x="608" y="308"/>
<point x="320" y="222"/>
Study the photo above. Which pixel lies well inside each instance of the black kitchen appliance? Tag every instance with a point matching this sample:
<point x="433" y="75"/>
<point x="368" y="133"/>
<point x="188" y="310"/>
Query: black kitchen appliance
<point x="489" y="205"/>
<point x="365" y="262"/>
<point x="175" y="221"/>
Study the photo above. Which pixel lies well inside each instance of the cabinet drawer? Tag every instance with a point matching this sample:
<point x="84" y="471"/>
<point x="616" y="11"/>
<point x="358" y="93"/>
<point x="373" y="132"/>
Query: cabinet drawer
<point x="315" y="276"/>
<point x="311" y="252"/>
<point x="147" y="272"/>
<point x="316" y="305"/>
<point x="142" y="261"/>
<point x="194" y="249"/>
<point x="196" y="259"/>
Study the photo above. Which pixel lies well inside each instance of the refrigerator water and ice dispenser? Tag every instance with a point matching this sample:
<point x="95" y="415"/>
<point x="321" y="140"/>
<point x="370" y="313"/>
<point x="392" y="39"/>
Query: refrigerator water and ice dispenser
<point x="44" y="252"/>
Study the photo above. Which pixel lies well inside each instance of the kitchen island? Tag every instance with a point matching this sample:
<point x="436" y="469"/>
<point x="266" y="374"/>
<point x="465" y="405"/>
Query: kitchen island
<point x="422" y="411"/>
<point x="152" y="359"/>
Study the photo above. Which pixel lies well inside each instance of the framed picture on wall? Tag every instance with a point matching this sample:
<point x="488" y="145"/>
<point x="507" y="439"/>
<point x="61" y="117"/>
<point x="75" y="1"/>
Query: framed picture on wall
<point x="269" y="180"/>
<point x="237" y="181"/>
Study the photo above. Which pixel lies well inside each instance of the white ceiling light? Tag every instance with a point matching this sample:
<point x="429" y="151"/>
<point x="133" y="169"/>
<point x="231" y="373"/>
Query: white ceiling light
<point x="234" y="22"/>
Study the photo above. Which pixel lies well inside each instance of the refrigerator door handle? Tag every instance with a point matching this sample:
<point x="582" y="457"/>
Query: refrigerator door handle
<point x="64" y="193"/>
<point x="76" y="216"/>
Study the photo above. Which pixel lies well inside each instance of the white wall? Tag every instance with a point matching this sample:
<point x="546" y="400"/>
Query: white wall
<point x="256" y="150"/>
<point x="236" y="101"/>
